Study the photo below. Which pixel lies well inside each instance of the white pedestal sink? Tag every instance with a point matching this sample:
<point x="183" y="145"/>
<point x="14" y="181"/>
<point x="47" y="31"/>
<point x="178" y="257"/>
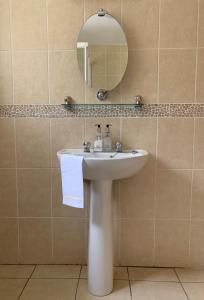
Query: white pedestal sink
<point x="102" y="168"/>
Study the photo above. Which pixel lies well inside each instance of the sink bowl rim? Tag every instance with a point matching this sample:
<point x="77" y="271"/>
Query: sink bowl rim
<point x="118" y="155"/>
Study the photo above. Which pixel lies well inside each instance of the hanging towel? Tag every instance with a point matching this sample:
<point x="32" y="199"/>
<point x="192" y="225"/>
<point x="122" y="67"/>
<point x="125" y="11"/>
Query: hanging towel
<point x="72" y="180"/>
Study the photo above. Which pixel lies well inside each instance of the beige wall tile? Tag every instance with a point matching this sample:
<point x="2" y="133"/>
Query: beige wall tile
<point x="65" y="18"/>
<point x="200" y="76"/>
<point x="8" y="193"/>
<point x="65" y="77"/>
<point x="172" y="243"/>
<point x="113" y="7"/>
<point x="6" y="85"/>
<point x="177" y="31"/>
<point x="157" y="290"/>
<point x="69" y="241"/>
<point x="5" y="41"/>
<point x="30" y="77"/>
<point x="140" y="32"/>
<point x="9" y="241"/>
<point x="121" y="291"/>
<point x="66" y="133"/>
<point x="141" y="76"/>
<point x="175" y="135"/>
<point x="63" y="289"/>
<point x="116" y="241"/>
<point x="58" y="209"/>
<point x="199" y="144"/>
<point x="11" y="288"/>
<point x="137" y="194"/>
<point x="35" y="241"/>
<point x="194" y="290"/>
<point x="139" y="134"/>
<point x="7" y="144"/>
<point x="137" y="242"/>
<point x="32" y="139"/>
<point x="201" y="24"/>
<point x="34" y="193"/>
<point x="173" y="197"/>
<point x="29" y="24"/>
<point x="197" y="211"/>
<point x="16" y="271"/>
<point x="197" y="244"/>
<point x="177" y="75"/>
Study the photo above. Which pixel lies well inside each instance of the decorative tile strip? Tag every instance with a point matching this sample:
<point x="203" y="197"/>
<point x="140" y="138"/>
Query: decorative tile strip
<point x="102" y="110"/>
<point x="84" y="110"/>
<point x="187" y="110"/>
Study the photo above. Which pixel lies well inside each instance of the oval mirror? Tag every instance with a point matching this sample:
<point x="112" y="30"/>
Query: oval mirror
<point x="102" y="53"/>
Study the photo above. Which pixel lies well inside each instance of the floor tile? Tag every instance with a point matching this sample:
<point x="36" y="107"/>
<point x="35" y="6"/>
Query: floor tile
<point x="10" y="289"/>
<point x="119" y="273"/>
<point x="152" y="274"/>
<point x="56" y="271"/>
<point x="195" y="291"/>
<point x="121" y="291"/>
<point x="144" y="290"/>
<point x="188" y="275"/>
<point x="50" y="289"/>
<point x="16" y="271"/>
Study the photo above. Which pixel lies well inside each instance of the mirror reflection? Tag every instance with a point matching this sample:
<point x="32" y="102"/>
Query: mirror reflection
<point x="102" y="51"/>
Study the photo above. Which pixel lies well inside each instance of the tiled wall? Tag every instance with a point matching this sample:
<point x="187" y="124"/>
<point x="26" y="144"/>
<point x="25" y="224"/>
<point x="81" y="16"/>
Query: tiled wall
<point x="38" y="41"/>
<point x="158" y="214"/>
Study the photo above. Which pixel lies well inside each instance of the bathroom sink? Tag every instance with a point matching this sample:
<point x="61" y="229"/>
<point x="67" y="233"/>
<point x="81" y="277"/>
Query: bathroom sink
<point x="109" y="165"/>
<point x="102" y="168"/>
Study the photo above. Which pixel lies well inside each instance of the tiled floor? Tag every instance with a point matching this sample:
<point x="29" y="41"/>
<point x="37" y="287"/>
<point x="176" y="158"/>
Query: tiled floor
<point x="64" y="282"/>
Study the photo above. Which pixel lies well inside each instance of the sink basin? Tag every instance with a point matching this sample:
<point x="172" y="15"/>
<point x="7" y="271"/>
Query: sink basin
<point x="102" y="168"/>
<point x="109" y="165"/>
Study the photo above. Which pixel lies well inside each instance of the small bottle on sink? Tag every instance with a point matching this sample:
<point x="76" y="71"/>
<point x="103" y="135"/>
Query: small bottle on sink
<point x="107" y="140"/>
<point x="98" y="143"/>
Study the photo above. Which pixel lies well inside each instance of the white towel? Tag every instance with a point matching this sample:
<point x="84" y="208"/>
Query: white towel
<point x="72" y="180"/>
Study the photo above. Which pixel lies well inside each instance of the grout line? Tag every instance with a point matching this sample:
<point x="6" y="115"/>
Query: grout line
<point x="48" y="52"/>
<point x="119" y="224"/>
<point x="129" y="283"/>
<point x="26" y="283"/>
<point x="17" y="191"/>
<point x="78" y="283"/>
<point x="181" y="284"/>
<point x="32" y="271"/>
<point x="122" y="219"/>
<point x="158" y="66"/>
<point x="58" y="168"/>
<point x="157" y="129"/>
<point x="11" y="49"/>
<point x="196" y="66"/>
<point x="191" y="196"/>
<point x="51" y="190"/>
<point x="155" y="191"/>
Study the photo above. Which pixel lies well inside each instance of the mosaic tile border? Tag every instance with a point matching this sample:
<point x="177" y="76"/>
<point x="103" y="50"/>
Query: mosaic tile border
<point x="102" y="110"/>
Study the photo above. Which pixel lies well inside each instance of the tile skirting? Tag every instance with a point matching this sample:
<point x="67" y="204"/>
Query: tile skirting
<point x="102" y="110"/>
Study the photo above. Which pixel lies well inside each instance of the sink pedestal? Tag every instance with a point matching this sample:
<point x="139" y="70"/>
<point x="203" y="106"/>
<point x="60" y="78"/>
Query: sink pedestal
<point x="100" y="254"/>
